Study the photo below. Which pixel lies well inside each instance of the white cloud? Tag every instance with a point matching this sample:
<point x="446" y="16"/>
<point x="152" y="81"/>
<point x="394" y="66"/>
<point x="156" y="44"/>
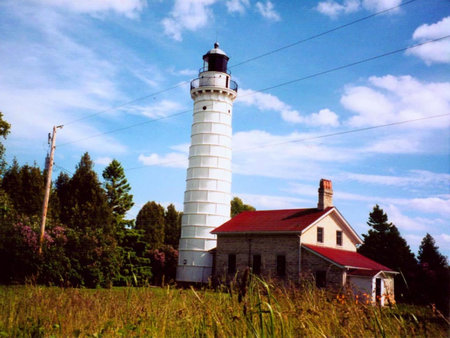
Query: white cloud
<point x="333" y="8"/>
<point x="420" y="178"/>
<point x="405" y="222"/>
<point x="269" y="102"/>
<point x="160" y="109"/>
<point x="52" y="78"/>
<point x="129" y="8"/>
<point x="188" y="72"/>
<point x="267" y="10"/>
<point x="270" y="202"/>
<point x="238" y="6"/>
<point x="187" y="15"/>
<point x="103" y="161"/>
<point x="324" y="117"/>
<point x="398" y="98"/>
<point x="380" y="5"/>
<point x="260" y="153"/>
<point x="173" y="160"/>
<point x="435" y="52"/>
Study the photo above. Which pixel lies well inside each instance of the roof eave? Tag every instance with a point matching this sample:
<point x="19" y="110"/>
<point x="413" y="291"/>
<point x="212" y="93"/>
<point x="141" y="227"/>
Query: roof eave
<point x="324" y="257"/>
<point x="257" y="232"/>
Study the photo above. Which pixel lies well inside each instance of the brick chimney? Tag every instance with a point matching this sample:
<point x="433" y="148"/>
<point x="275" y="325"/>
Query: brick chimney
<point x="325" y="194"/>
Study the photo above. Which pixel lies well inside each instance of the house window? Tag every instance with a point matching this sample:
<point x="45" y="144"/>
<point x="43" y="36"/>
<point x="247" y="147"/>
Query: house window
<point x="256" y="264"/>
<point x="231" y="263"/>
<point x="320" y="235"/>
<point x="339" y="237"/>
<point x="281" y="265"/>
<point x="321" y="279"/>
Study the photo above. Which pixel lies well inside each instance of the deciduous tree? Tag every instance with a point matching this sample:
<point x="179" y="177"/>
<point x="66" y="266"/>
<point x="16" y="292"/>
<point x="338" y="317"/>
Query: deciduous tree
<point x="237" y="206"/>
<point x="151" y="219"/>
<point x="172" y="230"/>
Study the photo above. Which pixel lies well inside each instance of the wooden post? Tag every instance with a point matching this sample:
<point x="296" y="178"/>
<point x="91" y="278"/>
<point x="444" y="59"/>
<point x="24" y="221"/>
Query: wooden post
<point x="48" y="183"/>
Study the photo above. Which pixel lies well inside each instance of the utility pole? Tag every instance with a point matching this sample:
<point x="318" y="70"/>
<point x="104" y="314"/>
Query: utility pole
<point x="48" y="183"/>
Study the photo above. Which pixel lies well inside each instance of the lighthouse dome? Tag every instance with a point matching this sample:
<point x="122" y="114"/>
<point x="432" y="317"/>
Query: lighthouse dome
<point x="216" y="50"/>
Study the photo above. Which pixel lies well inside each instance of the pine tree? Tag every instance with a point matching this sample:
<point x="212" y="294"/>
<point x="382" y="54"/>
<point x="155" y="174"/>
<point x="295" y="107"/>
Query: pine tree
<point x="62" y="189"/>
<point x="87" y="201"/>
<point x="385" y="245"/>
<point x="172" y="229"/>
<point x="25" y="187"/>
<point x="151" y="219"/>
<point x="434" y="276"/>
<point x="237" y="206"/>
<point x="117" y="190"/>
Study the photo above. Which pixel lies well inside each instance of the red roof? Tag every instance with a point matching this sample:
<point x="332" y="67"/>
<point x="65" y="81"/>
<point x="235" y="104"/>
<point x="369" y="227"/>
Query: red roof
<point x="272" y="220"/>
<point x="349" y="259"/>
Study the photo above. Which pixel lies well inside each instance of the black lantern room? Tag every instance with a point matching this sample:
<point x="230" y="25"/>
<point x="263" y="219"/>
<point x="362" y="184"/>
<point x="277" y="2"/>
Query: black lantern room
<point x="215" y="60"/>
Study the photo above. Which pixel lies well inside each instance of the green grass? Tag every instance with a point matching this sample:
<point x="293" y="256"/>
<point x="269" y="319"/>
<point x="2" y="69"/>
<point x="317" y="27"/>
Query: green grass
<point x="260" y="310"/>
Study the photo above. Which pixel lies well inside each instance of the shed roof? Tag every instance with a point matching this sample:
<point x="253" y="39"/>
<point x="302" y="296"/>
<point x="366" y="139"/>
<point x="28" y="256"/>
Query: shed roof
<point x="347" y="259"/>
<point x="287" y="220"/>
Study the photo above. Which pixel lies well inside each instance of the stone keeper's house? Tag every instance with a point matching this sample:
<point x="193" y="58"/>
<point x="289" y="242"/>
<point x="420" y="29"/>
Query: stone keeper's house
<point x="301" y="243"/>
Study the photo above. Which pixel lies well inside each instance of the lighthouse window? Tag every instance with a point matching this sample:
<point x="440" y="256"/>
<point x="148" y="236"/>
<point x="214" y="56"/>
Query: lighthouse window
<point x="204" y="107"/>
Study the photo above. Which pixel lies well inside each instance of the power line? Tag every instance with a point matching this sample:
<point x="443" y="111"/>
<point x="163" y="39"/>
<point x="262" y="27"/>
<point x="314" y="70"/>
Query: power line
<point x="127" y="103"/>
<point x="127" y="127"/>
<point x="271" y="87"/>
<point x="63" y="169"/>
<point x="348" y="65"/>
<point x="299" y="140"/>
<point x="351" y="131"/>
<point x="312" y="37"/>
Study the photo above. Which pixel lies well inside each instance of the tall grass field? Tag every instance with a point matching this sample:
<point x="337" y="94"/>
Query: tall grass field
<point x="258" y="309"/>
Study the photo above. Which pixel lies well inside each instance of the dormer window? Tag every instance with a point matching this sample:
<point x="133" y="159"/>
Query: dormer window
<point x="339" y="238"/>
<point x="319" y="235"/>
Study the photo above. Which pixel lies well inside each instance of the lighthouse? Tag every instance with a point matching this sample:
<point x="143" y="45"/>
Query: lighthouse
<point x="208" y="180"/>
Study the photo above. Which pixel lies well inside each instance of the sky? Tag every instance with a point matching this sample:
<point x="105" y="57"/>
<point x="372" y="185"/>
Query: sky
<point x="116" y="74"/>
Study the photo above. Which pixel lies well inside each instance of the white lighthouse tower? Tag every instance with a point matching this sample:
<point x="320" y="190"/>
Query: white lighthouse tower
<point x="208" y="182"/>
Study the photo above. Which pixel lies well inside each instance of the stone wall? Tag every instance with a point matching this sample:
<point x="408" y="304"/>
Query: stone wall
<point x="311" y="263"/>
<point x="268" y="246"/>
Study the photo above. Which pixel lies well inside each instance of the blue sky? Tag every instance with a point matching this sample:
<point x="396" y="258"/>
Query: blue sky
<point x="68" y="62"/>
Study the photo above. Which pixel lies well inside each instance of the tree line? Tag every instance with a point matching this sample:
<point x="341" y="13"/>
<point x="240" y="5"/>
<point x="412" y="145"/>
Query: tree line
<point x="422" y="280"/>
<point x="89" y="242"/>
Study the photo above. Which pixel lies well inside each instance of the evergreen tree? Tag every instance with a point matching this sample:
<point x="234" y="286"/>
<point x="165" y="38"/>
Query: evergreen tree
<point x="25" y="187"/>
<point x="385" y="245"/>
<point x="151" y="219"/>
<point x="87" y="201"/>
<point x="11" y="182"/>
<point x="135" y="268"/>
<point x="237" y="206"/>
<point x="5" y="128"/>
<point x="62" y="189"/>
<point x="172" y="229"/>
<point x="434" y="276"/>
<point x="117" y="190"/>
